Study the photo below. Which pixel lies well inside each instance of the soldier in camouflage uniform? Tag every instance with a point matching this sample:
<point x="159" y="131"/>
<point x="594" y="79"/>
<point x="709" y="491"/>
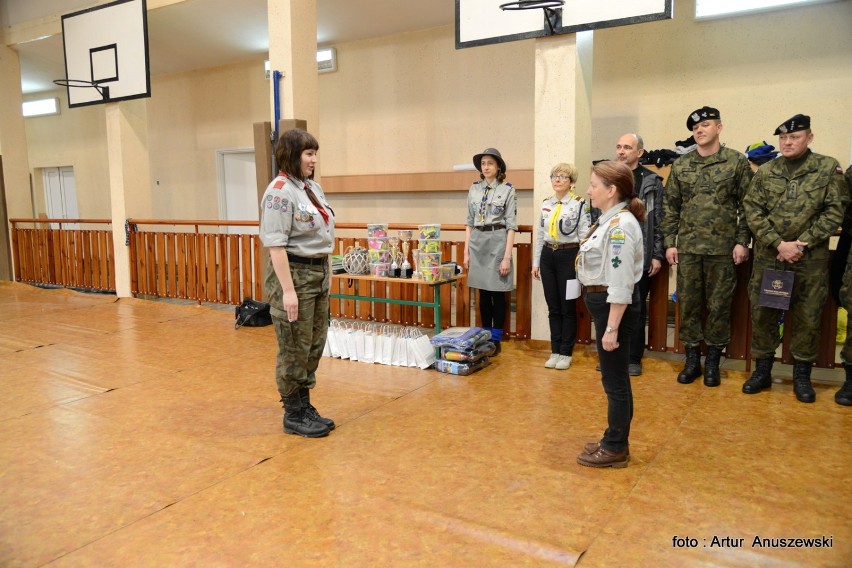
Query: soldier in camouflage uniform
<point x="844" y="395"/>
<point x="705" y="234"/>
<point x="297" y="224"/>
<point x="794" y="204"/>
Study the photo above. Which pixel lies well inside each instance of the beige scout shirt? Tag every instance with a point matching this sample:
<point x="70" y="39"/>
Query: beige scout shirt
<point x="289" y="219"/>
<point x="572" y="225"/>
<point x="613" y="255"/>
<point x="495" y="206"/>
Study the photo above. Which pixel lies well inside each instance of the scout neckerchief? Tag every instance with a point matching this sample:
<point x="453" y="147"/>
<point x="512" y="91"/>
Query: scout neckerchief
<point x="554" y="219"/>
<point x="311" y="197"/>
<point x="483" y="205"/>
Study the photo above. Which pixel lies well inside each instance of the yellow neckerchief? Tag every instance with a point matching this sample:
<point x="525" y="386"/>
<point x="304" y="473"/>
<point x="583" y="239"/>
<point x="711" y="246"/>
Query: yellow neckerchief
<point x="554" y="219"/>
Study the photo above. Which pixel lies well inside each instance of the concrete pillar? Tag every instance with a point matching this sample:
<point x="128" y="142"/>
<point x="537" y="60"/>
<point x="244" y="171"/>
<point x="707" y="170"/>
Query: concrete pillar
<point x="292" y="50"/>
<point x="563" y="119"/>
<point x="13" y="137"/>
<point x="129" y="177"/>
<point x="15" y="194"/>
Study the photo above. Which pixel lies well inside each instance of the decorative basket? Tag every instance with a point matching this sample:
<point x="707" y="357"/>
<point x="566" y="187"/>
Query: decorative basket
<point x="355" y="260"/>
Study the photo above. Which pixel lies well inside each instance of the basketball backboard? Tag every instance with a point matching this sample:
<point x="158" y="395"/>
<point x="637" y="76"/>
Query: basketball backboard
<point x="106" y="53"/>
<point x="482" y="22"/>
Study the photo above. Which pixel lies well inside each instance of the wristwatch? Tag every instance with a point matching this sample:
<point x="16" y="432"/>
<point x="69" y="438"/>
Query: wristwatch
<point x="745" y="244"/>
<point x="610" y="329"/>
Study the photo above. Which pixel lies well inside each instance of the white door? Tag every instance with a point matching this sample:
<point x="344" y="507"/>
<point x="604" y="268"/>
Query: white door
<point x="238" y="199"/>
<point x="60" y="195"/>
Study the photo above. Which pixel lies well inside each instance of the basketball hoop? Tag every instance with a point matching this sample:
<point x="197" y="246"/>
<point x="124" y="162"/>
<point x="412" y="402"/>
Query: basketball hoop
<point x="82" y="83"/>
<point x="551" y="16"/>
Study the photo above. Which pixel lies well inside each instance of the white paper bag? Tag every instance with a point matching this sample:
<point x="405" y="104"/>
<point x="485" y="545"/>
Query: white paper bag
<point x="572" y="289"/>
<point x="369" y="354"/>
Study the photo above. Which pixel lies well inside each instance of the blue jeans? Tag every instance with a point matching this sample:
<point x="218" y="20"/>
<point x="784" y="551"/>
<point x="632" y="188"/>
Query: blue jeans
<point x="614" y="375"/>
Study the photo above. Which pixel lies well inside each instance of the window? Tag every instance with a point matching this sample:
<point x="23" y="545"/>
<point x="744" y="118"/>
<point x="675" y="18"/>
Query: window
<point x="41" y="107"/>
<point x="705" y="9"/>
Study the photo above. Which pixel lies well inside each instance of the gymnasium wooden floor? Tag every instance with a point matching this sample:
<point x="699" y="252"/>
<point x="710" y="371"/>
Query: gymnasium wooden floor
<point x="142" y="433"/>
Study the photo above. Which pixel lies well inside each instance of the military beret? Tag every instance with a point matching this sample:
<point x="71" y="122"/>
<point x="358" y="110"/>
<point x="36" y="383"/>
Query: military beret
<point x="798" y="122"/>
<point x="702" y="114"/>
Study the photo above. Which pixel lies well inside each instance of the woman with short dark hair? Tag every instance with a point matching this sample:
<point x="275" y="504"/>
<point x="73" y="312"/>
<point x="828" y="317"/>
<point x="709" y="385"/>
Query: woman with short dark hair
<point x="297" y="225"/>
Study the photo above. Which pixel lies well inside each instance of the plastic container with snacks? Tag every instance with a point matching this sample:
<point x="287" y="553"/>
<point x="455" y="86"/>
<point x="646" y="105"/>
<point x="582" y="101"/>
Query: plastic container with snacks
<point x="429" y="245"/>
<point x="432" y="231"/>
<point x="448" y="271"/>
<point x="380" y="269"/>
<point x="377" y="256"/>
<point x="430" y="273"/>
<point x="377" y="230"/>
<point x="429" y="259"/>
<point x="377" y="243"/>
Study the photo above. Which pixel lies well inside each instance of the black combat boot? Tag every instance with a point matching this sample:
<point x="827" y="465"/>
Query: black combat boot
<point x="761" y="378"/>
<point x="802" y="381"/>
<point x="844" y="395"/>
<point x="297" y="421"/>
<point x="305" y="395"/>
<point x="692" y="369"/>
<point x="711" y="367"/>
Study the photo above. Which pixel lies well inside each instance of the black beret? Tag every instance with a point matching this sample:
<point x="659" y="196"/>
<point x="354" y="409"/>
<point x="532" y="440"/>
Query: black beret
<point x="702" y="114"/>
<point x="798" y="122"/>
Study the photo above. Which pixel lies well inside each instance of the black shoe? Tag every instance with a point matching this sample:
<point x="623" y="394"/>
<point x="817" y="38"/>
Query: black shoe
<point x="297" y="421"/>
<point x="802" y="381"/>
<point x="634" y="369"/>
<point x="844" y="395"/>
<point x="305" y="395"/>
<point x="712" y="376"/>
<point x="692" y="368"/>
<point x="761" y="378"/>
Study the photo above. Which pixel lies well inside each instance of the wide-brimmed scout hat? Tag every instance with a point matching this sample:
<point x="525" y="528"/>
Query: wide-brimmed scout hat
<point x="494" y="153"/>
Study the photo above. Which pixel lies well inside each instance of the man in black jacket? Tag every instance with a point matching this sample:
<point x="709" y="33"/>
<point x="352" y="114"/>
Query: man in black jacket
<point x="649" y="188"/>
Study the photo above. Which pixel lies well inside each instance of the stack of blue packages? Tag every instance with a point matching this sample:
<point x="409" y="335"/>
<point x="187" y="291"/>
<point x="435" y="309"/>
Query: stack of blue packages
<point x="464" y="350"/>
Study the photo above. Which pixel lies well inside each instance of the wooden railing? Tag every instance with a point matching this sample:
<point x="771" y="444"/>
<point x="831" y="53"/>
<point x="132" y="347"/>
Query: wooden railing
<point x="64" y="255"/>
<point x="195" y="261"/>
<point x="190" y="263"/>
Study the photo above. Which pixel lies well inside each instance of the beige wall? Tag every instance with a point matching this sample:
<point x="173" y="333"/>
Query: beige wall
<point x="412" y="103"/>
<point x="191" y="116"/>
<point x="757" y="70"/>
<point x="74" y="137"/>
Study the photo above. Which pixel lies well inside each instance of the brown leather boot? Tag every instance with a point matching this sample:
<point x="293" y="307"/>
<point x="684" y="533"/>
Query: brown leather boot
<point x="604" y="458"/>
<point x="592" y="447"/>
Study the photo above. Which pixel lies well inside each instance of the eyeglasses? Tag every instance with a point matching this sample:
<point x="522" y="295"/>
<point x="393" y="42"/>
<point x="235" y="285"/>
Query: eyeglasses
<point x="560" y="178"/>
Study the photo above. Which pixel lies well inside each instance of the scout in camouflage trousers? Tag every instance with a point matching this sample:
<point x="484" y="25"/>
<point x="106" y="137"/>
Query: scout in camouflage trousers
<point x="705" y="234"/>
<point x="795" y="203"/>
<point x="844" y="395"/>
<point x="297" y="225"/>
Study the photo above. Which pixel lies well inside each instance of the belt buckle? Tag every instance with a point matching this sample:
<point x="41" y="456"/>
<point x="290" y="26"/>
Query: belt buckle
<point x="553" y="246"/>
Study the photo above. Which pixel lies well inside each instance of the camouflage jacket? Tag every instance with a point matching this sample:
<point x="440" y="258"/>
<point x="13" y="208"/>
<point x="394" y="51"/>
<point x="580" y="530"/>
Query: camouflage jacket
<point x="807" y="205"/>
<point x="702" y="203"/>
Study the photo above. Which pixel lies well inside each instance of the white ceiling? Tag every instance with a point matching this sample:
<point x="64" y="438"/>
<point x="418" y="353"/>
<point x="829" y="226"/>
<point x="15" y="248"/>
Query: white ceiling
<point x="206" y="33"/>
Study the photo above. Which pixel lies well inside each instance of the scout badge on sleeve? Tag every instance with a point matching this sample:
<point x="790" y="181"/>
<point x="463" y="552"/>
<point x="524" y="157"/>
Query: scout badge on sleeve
<point x="776" y="288"/>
